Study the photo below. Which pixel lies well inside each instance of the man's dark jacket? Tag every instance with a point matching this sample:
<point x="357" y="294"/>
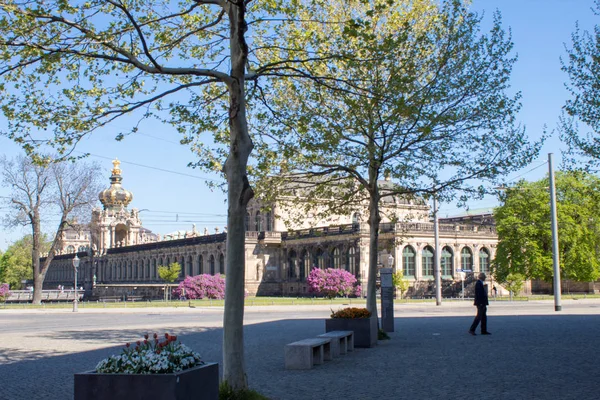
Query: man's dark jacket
<point x="481" y="297"/>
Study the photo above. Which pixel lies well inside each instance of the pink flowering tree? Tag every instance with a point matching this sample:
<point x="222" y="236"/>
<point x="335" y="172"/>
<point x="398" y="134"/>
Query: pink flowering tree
<point x="332" y="283"/>
<point x="4" y="291"/>
<point x="202" y="286"/>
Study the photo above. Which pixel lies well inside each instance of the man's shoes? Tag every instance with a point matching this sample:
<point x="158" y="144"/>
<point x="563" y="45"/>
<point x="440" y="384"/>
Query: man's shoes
<point x="486" y="333"/>
<point x="472" y="333"/>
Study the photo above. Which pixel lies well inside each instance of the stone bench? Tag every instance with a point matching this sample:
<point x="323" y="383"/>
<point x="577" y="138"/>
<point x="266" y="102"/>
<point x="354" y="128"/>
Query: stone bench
<point x="306" y="353"/>
<point x="341" y="341"/>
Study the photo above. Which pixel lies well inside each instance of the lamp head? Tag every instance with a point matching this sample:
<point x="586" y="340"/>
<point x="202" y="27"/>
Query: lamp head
<point x="76" y="261"/>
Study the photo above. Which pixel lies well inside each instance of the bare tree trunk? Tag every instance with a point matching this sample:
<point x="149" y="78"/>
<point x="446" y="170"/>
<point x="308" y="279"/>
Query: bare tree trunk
<point x="38" y="278"/>
<point x="239" y="193"/>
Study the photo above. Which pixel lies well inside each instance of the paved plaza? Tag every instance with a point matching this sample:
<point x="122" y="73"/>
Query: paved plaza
<point x="533" y="353"/>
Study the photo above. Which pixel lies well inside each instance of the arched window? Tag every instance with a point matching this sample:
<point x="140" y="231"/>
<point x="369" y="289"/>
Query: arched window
<point x="147" y="269"/>
<point x="320" y="259"/>
<point x="466" y="259"/>
<point x="484" y="260"/>
<point x="82" y="249"/>
<point x="355" y="218"/>
<point x="188" y="266"/>
<point x="247" y="221"/>
<point x="211" y="263"/>
<point x="336" y="261"/>
<point x="427" y="261"/>
<point x="446" y="262"/>
<point x="130" y="271"/>
<point x="408" y="261"/>
<point x="292" y="261"/>
<point x="351" y="266"/>
<point x="154" y="269"/>
<point x="258" y="222"/>
<point x="135" y="270"/>
<point x="200" y="264"/>
<point x="221" y="264"/>
<point x="70" y="249"/>
<point x="304" y="265"/>
<point x="269" y="220"/>
<point x="181" y="263"/>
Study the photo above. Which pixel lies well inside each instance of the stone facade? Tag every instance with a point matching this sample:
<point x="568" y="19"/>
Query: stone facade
<point x="117" y="254"/>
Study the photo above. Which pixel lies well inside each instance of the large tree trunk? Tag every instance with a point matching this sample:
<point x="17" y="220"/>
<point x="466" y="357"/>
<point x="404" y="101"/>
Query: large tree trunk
<point x="374" y="220"/>
<point x="239" y="193"/>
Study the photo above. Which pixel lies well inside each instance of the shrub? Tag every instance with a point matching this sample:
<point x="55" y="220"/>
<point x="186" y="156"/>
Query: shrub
<point x="332" y="282"/>
<point x="202" y="286"/>
<point x="4" y="291"/>
<point x="226" y="392"/>
<point x="351" y="313"/>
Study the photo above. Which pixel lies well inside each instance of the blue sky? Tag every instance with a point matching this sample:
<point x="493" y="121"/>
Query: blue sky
<point x="177" y="199"/>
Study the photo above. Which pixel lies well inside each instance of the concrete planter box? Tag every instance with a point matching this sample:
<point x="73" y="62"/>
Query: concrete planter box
<point x="201" y="382"/>
<point x="365" y="329"/>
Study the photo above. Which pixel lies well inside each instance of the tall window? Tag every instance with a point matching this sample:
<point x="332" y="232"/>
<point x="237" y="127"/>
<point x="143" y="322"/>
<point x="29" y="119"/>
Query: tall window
<point x="247" y="221"/>
<point x="427" y="261"/>
<point x="222" y="264"/>
<point x="484" y="260"/>
<point x="269" y="218"/>
<point x="200" y="264"/>
<point x="211" y="263"/>
<point x="336" y="259"/>
<point x="258" y="221"/>
<point x="190" y="272"/>
<point x="351" y="266"/>
<point x="292" y="260"/>
<point x="466" y="259"/>
<point x="355" y="218"/>
<point x="446" y="262"/>
<point x="304" y="265"/>
<point x="408" y="261"/>
<point x="320" y="259"/>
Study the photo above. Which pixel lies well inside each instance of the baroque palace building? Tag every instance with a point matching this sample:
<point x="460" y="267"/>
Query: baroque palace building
<point x="120" y="257"/>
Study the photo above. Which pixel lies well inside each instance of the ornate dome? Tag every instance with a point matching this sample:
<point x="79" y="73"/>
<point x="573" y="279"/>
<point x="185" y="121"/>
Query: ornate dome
<point x="115" y="196"/>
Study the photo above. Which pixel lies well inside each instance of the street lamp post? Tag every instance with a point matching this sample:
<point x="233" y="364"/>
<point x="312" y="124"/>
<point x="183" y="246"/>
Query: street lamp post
<point x="76" y="262"/>
<point x="554" y="228"/>
<point x="436" y="263"/>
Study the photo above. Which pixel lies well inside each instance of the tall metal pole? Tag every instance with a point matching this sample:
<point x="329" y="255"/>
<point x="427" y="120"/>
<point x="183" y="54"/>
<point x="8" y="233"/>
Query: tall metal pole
<point x="555" y="260"/>
<point x="75" y="266"/>
<point x="436" y="260"/>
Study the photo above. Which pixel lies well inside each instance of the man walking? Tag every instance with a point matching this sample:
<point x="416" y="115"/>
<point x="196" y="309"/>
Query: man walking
<point x="481" y="301"/>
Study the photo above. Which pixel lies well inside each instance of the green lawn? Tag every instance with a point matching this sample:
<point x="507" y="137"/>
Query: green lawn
<point x="265" y="301"/>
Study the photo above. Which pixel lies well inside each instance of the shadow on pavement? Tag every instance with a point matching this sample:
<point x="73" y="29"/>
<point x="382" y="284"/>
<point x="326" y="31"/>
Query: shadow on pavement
<point x="526" y="357"/>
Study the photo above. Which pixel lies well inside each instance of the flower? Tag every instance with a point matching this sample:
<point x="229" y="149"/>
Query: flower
<point x="4" y="291"/>
<point x="351" y="313"/>
<point x="203" y="286"/>
<point x="151" y="358"/>
<point x="332" y="282"/>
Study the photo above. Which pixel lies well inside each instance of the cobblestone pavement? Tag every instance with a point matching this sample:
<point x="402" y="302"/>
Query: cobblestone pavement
<point x="533" y="353"/>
